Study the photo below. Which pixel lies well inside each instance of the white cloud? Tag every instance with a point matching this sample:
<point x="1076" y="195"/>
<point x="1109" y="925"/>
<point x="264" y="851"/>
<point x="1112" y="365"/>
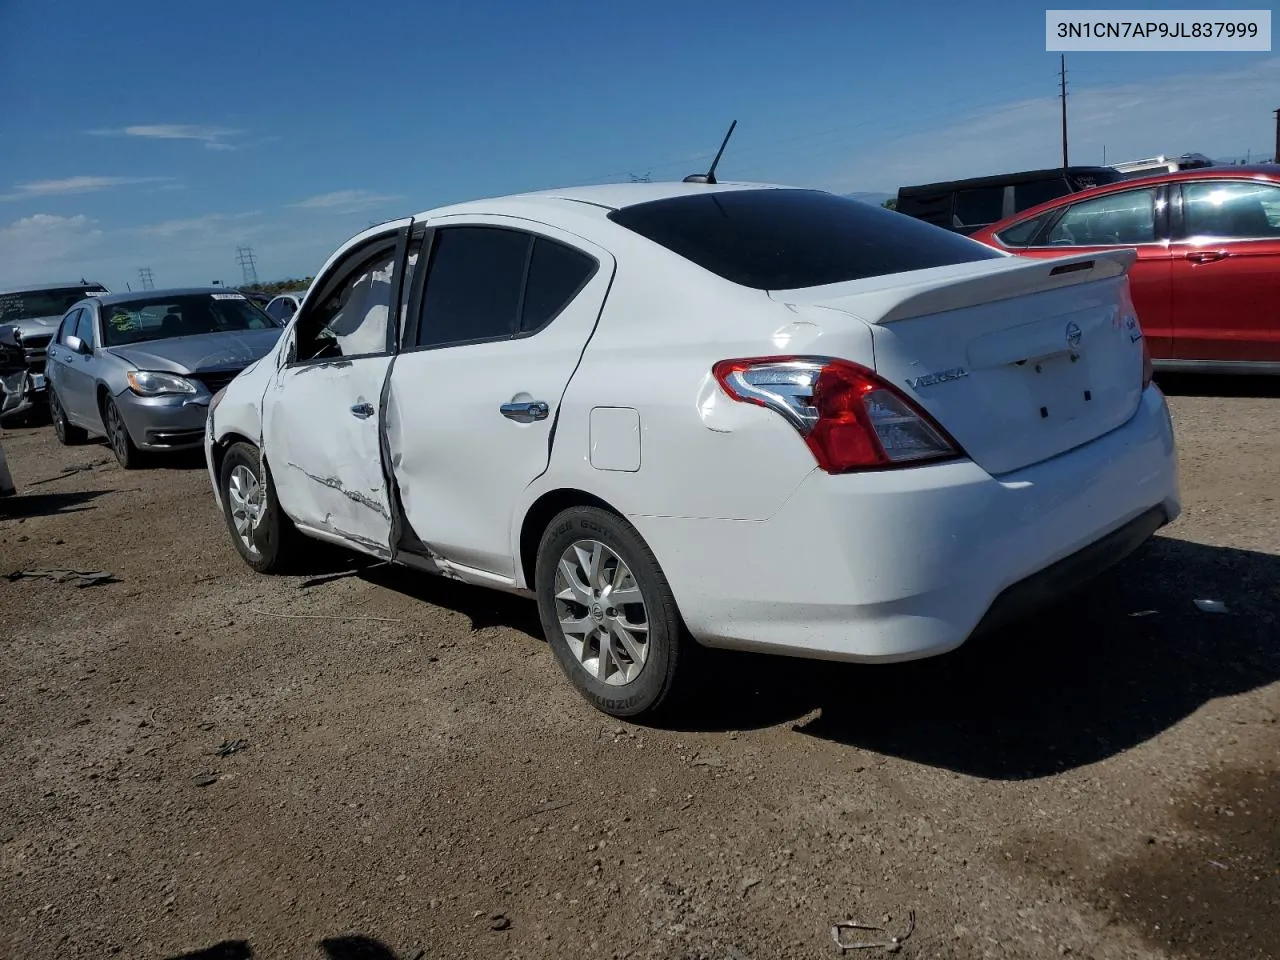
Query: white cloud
<point x="346" y="201"/>
<point x="210" y="223"/>
<point x="1221" y="114"/>
<point x="214" y="138"/>
<point x="70" y="185"/>
<point x="46" y="247"/>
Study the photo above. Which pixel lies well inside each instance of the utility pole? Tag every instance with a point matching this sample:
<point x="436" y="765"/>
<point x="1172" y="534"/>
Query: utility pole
<point x="144" y="276"/>
<point x="1062" y="78"/>
<point x="1275" y="157"/>
<point x="248" y="265"/>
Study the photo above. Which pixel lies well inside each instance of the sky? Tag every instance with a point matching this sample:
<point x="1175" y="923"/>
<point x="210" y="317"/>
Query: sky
<point x="165" y="135"/>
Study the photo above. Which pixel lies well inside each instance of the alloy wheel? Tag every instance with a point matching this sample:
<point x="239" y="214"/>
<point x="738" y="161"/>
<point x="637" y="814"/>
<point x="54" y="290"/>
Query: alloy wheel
<point x="601" y="613"/>
<point x="244" y="494"/>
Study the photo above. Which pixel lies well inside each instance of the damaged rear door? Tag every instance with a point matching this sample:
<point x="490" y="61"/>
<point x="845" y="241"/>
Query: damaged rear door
<point x="321" y="412"/>
<point x="500" y="314"/>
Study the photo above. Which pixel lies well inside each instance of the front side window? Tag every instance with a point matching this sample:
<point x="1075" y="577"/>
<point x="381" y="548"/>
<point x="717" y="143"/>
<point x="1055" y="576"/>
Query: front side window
<point x="1231" y="210"/>
<point x="1117" y="219"/>
<point x="68" y="328"/>
<point x="351" y="316"/>
<point x="159" y="318"/>
<point x="788" y="239"/>
<point x="84" y="329"/>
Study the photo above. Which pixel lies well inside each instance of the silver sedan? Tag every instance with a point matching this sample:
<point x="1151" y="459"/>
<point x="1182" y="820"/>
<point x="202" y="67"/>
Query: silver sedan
<point x="141" y="368"/>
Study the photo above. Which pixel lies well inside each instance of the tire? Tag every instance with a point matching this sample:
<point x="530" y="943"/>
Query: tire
<point x="624" y="685"/>
<point x="68" y="434"/>
<point x="271" y="544"/>
<point x="122" y="445"/>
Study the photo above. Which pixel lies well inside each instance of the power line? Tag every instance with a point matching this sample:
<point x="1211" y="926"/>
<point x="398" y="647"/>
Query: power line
<point x="1062" y="76"/>
<point x="146" y="279"/>
<point x="248" y="265"/>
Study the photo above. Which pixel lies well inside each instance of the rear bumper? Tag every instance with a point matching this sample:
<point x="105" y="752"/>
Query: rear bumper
<point x="907" y="564"/>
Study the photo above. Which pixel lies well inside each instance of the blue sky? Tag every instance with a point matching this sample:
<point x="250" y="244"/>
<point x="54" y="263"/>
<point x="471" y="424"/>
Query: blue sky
<point x="166" y="134"/>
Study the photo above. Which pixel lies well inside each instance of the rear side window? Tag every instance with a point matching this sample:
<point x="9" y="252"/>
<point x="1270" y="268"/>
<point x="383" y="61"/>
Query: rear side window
<point x="489" y="283"/>
<point x="1028" y="195"/>
<point x="1021" y="234"/>
<point x="473" y="285"/>
<point x="1116" y="219"/>
<point x="788" y="239"/>
<point x="556" y="274"/>
<point x="977" y="208"/>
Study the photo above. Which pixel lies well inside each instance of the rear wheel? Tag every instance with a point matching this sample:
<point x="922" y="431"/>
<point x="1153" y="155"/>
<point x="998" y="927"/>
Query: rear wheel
<point x="68" y="434"/>
<point x="262" y="533"/>
<point x="122" y="444"/>
<point x="608" y="612"/>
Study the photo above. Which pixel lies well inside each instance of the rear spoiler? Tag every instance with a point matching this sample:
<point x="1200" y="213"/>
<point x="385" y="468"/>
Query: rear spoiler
<point x="903" y="296"/>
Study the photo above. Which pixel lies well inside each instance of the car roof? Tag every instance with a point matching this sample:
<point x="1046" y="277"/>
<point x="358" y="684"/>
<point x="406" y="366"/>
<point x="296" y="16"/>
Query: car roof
<point x="1267" y="172"/>
<point x="135" y="295"/>
<point x="604" y="198"/>
<point x="39" y="287"/>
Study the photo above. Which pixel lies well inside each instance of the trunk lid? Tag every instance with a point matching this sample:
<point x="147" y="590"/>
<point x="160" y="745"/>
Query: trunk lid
<point x="1018" y="359"/>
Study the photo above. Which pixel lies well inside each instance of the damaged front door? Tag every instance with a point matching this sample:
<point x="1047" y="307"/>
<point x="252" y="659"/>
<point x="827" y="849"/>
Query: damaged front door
<point x="321" y="415"/>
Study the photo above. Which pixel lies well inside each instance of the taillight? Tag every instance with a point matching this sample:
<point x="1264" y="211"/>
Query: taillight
<point x="850" y="418"/>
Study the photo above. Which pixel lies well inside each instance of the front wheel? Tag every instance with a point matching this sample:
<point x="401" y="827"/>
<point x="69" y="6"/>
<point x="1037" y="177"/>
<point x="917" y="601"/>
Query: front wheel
<point x="122" y="444"/>
<point x="262" y="533"/>
<point x="608" y="612"/>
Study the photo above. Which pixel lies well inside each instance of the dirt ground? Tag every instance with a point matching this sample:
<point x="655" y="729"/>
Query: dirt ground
<point x="1103" y="782"/>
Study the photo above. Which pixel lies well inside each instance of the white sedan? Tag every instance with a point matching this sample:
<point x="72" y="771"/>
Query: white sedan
<point x="743" y="416"/>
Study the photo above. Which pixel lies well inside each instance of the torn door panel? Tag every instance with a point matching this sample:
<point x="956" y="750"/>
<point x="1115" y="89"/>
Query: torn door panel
<point x="325" y="463"/>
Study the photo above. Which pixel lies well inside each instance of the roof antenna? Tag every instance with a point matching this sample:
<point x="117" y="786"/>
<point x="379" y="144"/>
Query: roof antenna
<point x="710" y="175"/>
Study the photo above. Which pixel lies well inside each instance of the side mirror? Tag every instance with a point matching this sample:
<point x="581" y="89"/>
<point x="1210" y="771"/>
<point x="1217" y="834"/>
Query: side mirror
<point x="75" y="344"/>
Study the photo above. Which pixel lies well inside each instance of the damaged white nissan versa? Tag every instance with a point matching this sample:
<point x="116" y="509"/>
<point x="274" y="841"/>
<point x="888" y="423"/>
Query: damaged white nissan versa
<point x="743" y="416"/>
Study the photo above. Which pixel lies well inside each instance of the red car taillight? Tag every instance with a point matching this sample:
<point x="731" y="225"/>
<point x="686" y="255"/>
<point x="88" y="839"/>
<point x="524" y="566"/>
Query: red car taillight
<point x="850" y="418"/>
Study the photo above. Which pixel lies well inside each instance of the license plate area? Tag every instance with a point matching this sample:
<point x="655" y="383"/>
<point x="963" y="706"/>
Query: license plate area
<point x="1058" y="387"/>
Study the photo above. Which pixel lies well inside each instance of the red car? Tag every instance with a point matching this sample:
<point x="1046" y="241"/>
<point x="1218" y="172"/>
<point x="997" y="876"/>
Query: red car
<point x="1206" y="283"/>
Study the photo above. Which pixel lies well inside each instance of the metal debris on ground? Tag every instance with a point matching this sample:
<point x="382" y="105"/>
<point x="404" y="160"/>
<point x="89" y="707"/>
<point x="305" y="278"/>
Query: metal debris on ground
<point x="69" y="471"/>
<point x="79" y="578"/>
<point x="1211" y="606"/>
<point x="204" y="779"/>
<point x="1144" y="613"/>
<point x="543" y="808"/>
<point x="890" y="945"/>
<point x="231" y="746"/>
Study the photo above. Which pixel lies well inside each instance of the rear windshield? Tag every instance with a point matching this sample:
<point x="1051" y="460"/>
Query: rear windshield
<point x="43" y="303"/>
<point x="160" y="318"/>
<point x="787" y="239"/>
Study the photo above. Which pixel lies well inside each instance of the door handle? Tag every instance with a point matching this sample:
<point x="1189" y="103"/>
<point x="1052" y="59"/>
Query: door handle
<point x="362" y="410"/>
<point x="1207" y="256"/>
<point x="525" y="412"/>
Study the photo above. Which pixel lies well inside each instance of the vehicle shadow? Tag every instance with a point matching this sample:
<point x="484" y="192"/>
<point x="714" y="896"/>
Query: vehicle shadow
<point x="42" y="504"/>
<point x="333" y="948"/>
<point x="1117" y="664"/>
<point x="483" y="607"/>
<point x="1121" y="661"/>
<point x="1191" y="385"/>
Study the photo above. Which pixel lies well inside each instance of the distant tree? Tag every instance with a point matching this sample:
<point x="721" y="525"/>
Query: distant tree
<point x="890" y="204"/>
